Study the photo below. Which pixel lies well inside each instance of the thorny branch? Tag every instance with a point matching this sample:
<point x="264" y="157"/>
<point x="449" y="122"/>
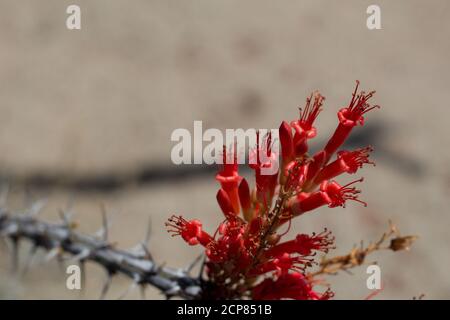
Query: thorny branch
<point x="138" y="264"/>
<point x="61" y="239"/>
<point x="357" y="255"/>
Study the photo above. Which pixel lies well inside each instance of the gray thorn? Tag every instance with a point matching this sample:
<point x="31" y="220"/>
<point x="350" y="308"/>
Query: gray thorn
<point x="192" y="265"/>
<point x="3" y="211"/>
<point x="7" y="242"/>
<point x="4" y="241"/>
<point x="4" y="191"/>
<point x="83" y="278"/>
<point x="60" y="261"/>
<point x="103" y="232"/>
<point x="148" y="232"/>
<point x="131" y="288"/>
<point x="148" y="255"/>
<point x="172" y="291"/>
<point x="27" y="196"/>
<point x="29" y="260"/>
<point x="15" y="255"/>
<point x="105" y="224"/>
<point x="36" y="208"/>
<point x="66" y="216"/>
<point x="52" y="254"/>
<point x="143" y="287"/>
<point x="106" y="286"/>
<point x="202" y="268"/>
<point x="80" y="256"/>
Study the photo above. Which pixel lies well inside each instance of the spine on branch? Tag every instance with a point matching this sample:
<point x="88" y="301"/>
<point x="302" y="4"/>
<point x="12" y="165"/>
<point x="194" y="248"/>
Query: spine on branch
<point x="61" y="240"/>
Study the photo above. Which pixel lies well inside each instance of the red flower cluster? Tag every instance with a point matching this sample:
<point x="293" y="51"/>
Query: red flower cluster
<point x="246" y="256"/>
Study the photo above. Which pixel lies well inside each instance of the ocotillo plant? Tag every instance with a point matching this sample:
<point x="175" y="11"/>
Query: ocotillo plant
<point x="247" y="256"/>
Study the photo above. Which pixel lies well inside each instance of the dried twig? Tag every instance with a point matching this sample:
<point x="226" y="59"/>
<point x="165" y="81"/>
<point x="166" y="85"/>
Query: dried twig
<point x="357" y="255"/>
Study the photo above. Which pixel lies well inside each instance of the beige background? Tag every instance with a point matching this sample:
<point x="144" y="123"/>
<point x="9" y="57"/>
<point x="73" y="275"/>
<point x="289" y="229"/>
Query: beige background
<point x="104" y="100"/>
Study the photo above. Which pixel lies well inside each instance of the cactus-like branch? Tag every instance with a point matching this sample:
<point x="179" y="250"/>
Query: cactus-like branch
<point x="62" y="239"/>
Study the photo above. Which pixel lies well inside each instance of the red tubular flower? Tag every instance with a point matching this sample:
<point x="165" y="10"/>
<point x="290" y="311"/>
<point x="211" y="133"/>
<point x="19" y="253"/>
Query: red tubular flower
<point x="190" y="231"/>
<point x="249" y="254"/>
<point x="225" y="203"/>
<point x="245" y="200"/>
<point x="313" y="168"/>
<point x="348" y="161"/>
<point x="296" y="172"/>
<point x="340" y="194"/>
<point x="229" y="178"/>
<point x="305" y="202"/>
<point x="303" y="127"/>
<point x="217" y="251"/>
<point x="265" y="188"/>
<point x="230" y="242"/>
<point x="265" y="183"/>
<point x="281" y="264"/>
<point x="254" y="226"/>
<point x="288" y="286"/>
<point x="349" y="117"/>
<point x="287" y="147"/>
<point x="330" y="193"/>
<point x="304" y="244"/>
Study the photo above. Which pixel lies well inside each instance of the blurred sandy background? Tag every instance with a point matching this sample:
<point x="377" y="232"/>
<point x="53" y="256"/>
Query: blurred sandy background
<point x="87" y="115"/>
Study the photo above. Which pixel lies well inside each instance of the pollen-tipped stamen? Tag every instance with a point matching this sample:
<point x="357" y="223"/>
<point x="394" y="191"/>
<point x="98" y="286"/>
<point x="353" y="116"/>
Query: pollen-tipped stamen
<point x="344" y="193"/>
<point x="358" y="105"/>
<point x="176" y="223"/>
<point x="309" y="114"/>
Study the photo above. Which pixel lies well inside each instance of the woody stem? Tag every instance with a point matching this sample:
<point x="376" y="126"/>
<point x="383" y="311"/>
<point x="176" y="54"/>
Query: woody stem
<point x="274" y="217"/>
